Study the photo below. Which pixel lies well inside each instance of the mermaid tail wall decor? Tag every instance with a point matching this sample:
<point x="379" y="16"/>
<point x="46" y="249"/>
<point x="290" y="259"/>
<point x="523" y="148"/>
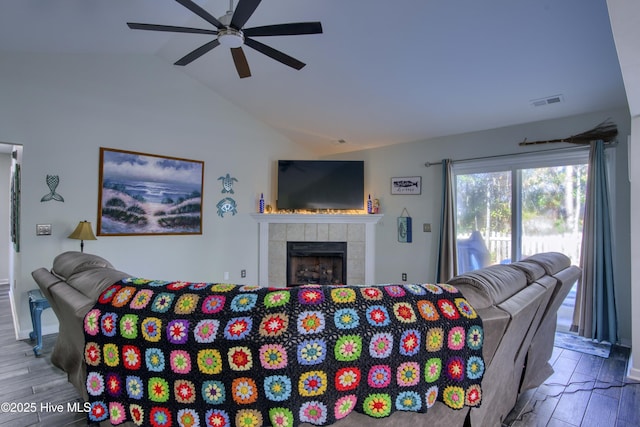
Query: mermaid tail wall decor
<point x="52" y="182"/>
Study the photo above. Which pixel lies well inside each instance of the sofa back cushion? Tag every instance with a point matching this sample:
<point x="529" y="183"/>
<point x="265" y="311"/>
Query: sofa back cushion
<point x="69" y="263"/>
<point x="491" y="285"/>
<point x="87" y="273"/>
<point x="552" y="262"/>
<point x="531" y="269"/>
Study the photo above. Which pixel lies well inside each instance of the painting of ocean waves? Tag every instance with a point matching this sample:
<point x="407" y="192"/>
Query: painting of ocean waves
<point x="149" y="194"/>
<point x="158" y="192"/>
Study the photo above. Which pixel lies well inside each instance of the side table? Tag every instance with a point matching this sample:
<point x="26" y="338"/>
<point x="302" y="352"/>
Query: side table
<point x="37" y="303"/>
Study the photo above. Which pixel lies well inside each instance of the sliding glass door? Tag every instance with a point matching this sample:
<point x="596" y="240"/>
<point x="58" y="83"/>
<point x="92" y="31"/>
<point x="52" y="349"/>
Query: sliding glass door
<point x="510" y="209"/>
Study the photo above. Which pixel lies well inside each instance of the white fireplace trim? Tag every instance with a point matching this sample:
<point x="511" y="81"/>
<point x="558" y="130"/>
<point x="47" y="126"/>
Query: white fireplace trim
<point x="264" y="220"/>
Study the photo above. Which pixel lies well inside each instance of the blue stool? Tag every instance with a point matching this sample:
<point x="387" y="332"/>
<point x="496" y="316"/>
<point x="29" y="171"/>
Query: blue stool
<point x="37" y="303"/>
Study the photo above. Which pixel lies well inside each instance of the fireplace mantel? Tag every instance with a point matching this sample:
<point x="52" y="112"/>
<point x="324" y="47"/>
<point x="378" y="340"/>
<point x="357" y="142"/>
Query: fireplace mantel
<point x="292" y="220"/>
<point x="317" y="218"/>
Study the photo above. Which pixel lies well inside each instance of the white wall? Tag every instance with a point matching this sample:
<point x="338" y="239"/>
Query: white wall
<point x="62" y="108"/>
<point x="624" y="16"/>
<point x="634" y="159"/>
<point x="418" y="259"/>
<point x="5" y="215"/>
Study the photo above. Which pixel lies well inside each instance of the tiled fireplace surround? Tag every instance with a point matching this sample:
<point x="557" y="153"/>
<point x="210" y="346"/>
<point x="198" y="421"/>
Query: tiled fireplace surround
<point x="275" y="230"/>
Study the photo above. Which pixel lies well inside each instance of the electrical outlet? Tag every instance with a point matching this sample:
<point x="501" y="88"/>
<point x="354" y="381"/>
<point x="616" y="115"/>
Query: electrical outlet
<point x="404" y="277"/>
<point x="426" y="228"/>
<point x="226" y="275"/>
<point x="43" y="229"/>
<point x="243" y="273"/>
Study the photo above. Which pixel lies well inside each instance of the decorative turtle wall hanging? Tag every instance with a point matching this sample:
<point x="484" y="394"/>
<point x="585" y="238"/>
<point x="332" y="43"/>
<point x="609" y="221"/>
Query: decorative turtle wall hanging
<point x="227" y="183"/>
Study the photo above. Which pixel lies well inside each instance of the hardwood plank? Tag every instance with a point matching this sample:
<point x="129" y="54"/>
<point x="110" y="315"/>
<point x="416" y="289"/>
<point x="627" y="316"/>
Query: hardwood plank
<point x="18" y="419"/>
<point x="574" y="399"/>
<point x="558" y="423"/>
<point x="601" y="411"/>
<point x="570" y="354"/>
<point x="629" y="410"/>
<point x="589" y="365"/>
<point x="537" y="413"/>
<point x="563" y="368"/>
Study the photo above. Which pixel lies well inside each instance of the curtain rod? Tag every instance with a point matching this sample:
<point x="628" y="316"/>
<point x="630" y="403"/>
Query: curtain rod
<point x="495" y="156"/>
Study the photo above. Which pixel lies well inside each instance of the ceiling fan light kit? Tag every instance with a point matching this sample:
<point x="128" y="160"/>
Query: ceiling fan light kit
<point x="232" y="34"/>
<point x="229" y="37"/>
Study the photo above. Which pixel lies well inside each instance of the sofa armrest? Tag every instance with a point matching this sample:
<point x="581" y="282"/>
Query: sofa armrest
<point x="44" y="279"/>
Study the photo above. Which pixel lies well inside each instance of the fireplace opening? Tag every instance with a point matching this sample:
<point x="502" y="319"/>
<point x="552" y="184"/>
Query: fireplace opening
<point x="318" y="263"/>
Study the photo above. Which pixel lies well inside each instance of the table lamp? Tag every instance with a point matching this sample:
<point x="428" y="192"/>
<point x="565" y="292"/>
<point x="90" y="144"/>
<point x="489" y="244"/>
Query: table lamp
<point x="83" y="232"/>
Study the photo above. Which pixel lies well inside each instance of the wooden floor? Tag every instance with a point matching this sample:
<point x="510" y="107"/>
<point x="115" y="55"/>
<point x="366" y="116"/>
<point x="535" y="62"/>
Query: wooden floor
<point x="25" y="379"/>
<point x="584" y="391"/>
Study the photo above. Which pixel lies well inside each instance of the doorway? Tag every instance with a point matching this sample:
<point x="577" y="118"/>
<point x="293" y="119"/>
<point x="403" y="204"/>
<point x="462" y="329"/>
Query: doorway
<point x="508" y="212"/>
<point x="5" y="210"/>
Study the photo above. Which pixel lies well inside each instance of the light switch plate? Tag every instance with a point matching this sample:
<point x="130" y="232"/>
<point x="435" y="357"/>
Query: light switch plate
<point x="43" y="229"/>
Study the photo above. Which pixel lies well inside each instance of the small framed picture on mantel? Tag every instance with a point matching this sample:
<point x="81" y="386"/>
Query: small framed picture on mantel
<point x="406" y="185"/>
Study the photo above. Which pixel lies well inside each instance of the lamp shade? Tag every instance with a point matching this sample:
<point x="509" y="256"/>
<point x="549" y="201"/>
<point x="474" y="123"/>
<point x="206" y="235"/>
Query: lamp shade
<point x="83" y="232"/>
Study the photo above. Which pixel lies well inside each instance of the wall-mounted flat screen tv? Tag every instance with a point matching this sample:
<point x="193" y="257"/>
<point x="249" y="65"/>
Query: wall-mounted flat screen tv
<point x="320" y="184"/>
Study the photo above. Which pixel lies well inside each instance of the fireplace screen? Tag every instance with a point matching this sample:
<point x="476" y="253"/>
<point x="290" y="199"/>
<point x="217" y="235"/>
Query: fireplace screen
<point x="318" y="263"/>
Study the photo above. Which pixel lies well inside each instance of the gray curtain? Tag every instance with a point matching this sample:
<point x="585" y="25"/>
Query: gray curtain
<point x="447" y="252"/>
<point x="595" y="311"/>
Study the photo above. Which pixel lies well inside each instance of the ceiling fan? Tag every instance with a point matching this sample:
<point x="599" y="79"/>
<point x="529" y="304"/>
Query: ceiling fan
<point x="230" y="33"/>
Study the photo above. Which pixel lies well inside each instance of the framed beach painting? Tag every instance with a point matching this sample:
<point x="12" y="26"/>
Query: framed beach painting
<point x="148" y="194"/>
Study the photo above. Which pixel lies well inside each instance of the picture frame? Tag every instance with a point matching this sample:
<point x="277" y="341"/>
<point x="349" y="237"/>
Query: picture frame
<point x="148" y="194"/>
<point x="15" y="207"/>
<point x="406" y="185"/>
<point x="405" y="232"/>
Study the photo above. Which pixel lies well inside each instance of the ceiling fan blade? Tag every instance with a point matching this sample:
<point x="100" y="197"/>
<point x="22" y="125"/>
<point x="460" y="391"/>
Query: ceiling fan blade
<point x="292" y="29"/>
<point x="169" y="28"/>
<point x="273" y="53"/>
<point x="201" y="12"/>
<point x="243" y="12"/>
<point x="197" y="53"/>
<point x="242" y="66"/>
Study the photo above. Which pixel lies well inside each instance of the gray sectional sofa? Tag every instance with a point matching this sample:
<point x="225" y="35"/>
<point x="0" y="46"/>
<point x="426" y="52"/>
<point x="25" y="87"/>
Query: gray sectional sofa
<point x="517" y="303"/>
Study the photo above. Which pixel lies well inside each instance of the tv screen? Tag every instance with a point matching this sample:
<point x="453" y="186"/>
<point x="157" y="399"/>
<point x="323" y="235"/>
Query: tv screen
<point x="320" y="184"/>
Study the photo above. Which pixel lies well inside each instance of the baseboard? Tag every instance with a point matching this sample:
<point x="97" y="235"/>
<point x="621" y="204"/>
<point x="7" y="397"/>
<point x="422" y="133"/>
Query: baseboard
<point x="46" y="330"/>
<point x="624" y="343"/>
<point x="632" y="373"/>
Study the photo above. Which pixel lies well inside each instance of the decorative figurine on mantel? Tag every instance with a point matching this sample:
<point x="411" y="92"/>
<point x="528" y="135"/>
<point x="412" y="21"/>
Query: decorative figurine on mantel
<point x="52" y="183"/>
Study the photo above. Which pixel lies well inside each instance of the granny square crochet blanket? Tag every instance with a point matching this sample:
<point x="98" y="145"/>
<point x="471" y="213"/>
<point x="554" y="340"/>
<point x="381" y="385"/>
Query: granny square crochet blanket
<point x="166" y="354"/>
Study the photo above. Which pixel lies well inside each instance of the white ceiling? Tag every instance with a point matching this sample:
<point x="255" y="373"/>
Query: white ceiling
<point x="383" y="72"/>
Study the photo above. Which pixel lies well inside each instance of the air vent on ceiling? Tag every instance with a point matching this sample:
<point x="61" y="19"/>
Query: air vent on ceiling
<point x="555" y="99"/>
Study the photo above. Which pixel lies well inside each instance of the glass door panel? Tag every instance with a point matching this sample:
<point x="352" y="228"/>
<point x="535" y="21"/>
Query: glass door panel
<point x="483" y="223"/>
<point x="552" y="210"/>
<point x="552" y="214"/>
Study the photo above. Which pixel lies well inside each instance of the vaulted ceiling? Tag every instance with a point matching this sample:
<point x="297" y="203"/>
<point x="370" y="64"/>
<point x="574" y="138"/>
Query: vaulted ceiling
<point x="382" y="72"/>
